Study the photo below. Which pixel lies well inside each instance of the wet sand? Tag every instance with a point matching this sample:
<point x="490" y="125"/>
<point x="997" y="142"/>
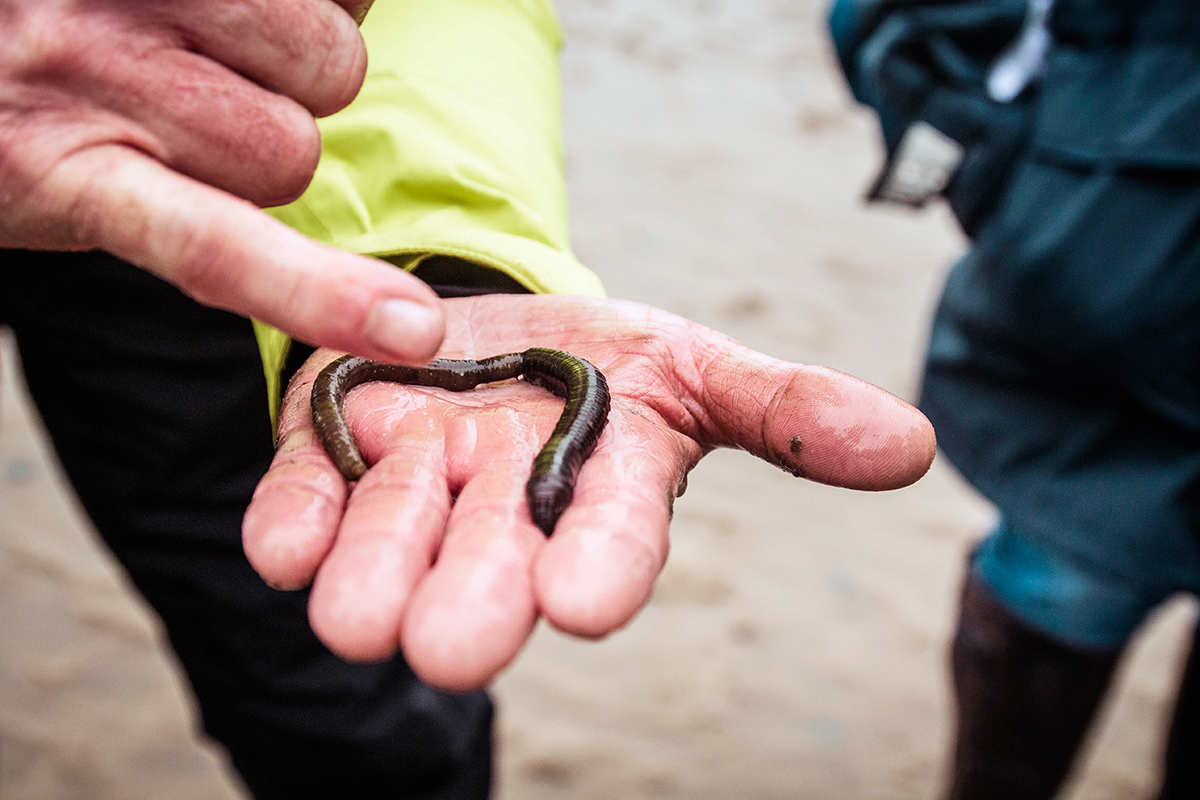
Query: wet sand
<point x="795" y="646"/>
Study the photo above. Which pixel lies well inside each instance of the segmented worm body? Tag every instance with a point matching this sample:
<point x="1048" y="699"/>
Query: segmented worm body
<point x="552" y="483"/>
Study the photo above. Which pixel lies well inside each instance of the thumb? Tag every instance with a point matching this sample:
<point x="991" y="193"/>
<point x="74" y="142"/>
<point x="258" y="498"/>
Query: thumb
<point x="815" y="422"/>
<point x="225" y="252"/>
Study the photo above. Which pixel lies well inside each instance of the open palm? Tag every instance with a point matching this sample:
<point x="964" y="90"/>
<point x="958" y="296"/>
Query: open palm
<point x="433" y="551"/>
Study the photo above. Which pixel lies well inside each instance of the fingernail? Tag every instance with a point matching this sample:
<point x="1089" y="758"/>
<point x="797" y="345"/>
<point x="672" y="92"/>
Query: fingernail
<point x="360" y="12"/>
<point x="405" y="329"/>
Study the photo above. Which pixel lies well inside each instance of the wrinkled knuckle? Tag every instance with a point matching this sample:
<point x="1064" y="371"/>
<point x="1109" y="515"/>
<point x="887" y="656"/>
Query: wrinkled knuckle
<point x="298" y="298"/>
<point x="37" y="40"/>
<point x="78" y="185"/>
<point x="287" y="146"/>
<point x="35" y="50"/>
<point x="202" y="270"/>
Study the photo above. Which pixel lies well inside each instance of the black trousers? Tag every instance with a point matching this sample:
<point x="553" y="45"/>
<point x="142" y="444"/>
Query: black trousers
<point x="157" y="407"/>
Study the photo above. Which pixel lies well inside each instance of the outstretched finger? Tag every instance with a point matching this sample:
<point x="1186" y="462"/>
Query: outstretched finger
<point x="226" y="253"/>
<point x="814" y="422"/>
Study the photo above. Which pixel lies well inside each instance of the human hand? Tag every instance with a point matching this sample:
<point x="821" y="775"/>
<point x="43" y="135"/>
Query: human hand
<point x="434" y="551"/>
<point x="150" y="128"/>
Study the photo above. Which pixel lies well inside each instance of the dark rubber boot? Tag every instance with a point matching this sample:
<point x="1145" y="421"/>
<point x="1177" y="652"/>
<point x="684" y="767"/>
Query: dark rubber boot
<point x="1024" y="702"/>
<point x="1182" y="774"/>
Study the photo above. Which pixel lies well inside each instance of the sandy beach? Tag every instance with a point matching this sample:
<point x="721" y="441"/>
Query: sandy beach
<point x="795" y="645"/>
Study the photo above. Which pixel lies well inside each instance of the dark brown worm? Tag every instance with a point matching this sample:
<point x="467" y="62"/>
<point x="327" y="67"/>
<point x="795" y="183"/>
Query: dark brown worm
<point x="552" y="484"/>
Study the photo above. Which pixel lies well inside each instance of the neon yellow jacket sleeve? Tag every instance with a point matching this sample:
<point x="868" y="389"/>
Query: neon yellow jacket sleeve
<point x="453" y="147"/>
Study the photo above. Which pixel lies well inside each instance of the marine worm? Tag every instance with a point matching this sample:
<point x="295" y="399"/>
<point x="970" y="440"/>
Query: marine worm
<point x="552" y="482"/>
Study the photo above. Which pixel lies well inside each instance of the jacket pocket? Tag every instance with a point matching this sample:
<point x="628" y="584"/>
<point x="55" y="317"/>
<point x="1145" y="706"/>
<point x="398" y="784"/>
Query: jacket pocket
<point x="1136" y="108"/>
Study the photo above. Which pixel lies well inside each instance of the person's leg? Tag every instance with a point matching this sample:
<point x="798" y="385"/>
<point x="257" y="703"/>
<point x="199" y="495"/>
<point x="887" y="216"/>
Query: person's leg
<point x="1036" y="644"/>
<point x="157" y="407"/>
<point x="1023" y="703"/>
